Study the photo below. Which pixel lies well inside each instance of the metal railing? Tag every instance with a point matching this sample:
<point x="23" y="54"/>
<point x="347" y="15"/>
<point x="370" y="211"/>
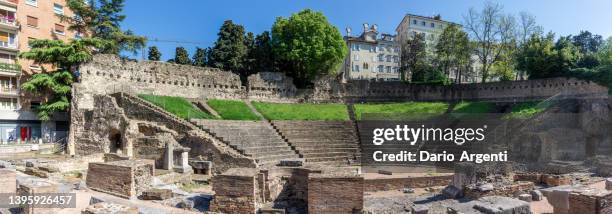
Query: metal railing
<point x="10" y="67"/>
<point x="8" y="21"/>
<point x="8" y="45"/>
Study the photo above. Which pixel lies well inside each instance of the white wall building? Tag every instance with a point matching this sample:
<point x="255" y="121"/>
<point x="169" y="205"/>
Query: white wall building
<point x="371" y="57"/>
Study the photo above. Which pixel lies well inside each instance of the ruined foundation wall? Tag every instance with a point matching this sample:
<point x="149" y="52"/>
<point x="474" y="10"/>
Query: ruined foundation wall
<point x="384" y="184"/>
<point x="107" y="74"/>
<point x="335" y="194"/>
<point x="235" y="191"/>
<point x="126" y="179"/>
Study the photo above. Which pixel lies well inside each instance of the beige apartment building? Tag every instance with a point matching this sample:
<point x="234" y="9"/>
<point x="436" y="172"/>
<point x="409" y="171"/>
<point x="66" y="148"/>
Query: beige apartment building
<point x="431" y="28"/>
<point x="371" y="57"/>
<point x="20" y="22"/>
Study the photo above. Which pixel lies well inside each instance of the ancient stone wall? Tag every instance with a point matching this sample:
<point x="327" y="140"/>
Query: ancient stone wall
<point x="126" y="179"/>
<point x="107" y="74"/>
<point x="335" y="194"/>
<point x="236" y="191"/>
<point x="383" y="184"/>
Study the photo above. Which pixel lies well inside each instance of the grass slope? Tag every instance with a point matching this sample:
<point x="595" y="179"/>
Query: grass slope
<point x="232" y="109"/>
<point x="408" y="110"/>
<point x="474" y="108"/>
<point x="177" y="105"/>
<point x="302" y="111"/>
<point x="526" y="110"/>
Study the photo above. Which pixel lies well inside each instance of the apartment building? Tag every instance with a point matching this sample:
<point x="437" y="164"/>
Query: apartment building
<point x="431" y="28"/>
<point x="371" y="57"/>
<point x="20" y="22"/>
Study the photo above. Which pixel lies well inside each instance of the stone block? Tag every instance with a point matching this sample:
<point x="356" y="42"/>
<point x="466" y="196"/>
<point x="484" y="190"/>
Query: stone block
<point x="452" y="192"/>
<point x="109" y="208"/>
<point x="235" y="191"/>
<point x="502" y="205"/>
<point x="291" y="162"/>
<point x="36" y="186"/>
<point x="127" y="178"/>
<point x="525" y="197"/>
<point x="420" y="209"/>
<point x="385" y="172"/>
<point x="335" y="193"/>
<point x="35" y="171"/>
<point x="556" y="180"/>
<point x="8" y="181"/>
<point x="485" y="187"/>
<point x="609" y="183"/>
<point x="536" y="195"/>
<point x="559" y="199"/>
<point x="156" y="194"/>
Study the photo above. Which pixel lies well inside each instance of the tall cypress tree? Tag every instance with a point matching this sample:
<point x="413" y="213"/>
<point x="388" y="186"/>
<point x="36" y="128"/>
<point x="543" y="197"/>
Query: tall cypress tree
<point x="262" y="53"/>
<point x="229" y="50"/>
<point x="154" y="54"/>
<point x="181" y="56"/>
<point x="199" y="58"/>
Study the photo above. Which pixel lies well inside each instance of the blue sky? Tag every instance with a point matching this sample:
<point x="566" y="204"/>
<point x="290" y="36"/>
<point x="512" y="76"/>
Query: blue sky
<point x="198" y="21"/>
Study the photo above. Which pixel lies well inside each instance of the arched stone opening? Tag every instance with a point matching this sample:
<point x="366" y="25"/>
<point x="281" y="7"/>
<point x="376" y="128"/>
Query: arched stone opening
<point x="115" y="142"/>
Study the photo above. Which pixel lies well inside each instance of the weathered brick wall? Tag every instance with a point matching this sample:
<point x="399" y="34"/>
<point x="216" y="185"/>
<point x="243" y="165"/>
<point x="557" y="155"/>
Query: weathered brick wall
<point x="383" y="184"/>
<point x="125" y="179"/>
<point x="235" y="191"/>
<point x="287" y="184"/>
<point x="590" y="202"/>
<point x="335" y="194"/>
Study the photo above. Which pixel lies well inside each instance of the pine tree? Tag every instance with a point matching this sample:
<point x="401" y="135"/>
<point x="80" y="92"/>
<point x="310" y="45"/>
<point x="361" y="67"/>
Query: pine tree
<point x="154" y="54"/>
<point x="229" y="50"/>
<point x="262" y="53"/>
<point x="181" y="56"/>
<point x="199" y="59"/>
<point x="101" y="19"/>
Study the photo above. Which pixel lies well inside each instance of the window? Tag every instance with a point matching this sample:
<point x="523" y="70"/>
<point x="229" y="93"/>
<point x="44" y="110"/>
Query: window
<point x="355" y="47"/>
<point x="380" y="68"/>
<point x="32" y="2"/>
<point x="365" y="66"/>
<point x="32" y="21"/>
<point x="414" y="22"/>
<point x="59" y="29"/>
<point x="423" y="23"/>
<point x="388" y="69"/>
<point x="356" y="68"/>
<point x="356" y="57"/>
<point x="58" y="9"/>
<point x="381" y="57"/>
<point x="388" y="58"/>
<point x="433" y="25"/>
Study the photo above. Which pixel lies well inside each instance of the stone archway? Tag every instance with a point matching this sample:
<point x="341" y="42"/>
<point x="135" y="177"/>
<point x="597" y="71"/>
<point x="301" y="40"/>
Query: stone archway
<point x="115" y="142"/>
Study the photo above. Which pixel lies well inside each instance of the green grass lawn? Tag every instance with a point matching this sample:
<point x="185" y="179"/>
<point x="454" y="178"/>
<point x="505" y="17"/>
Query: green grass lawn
<point x="408" y="110"/>
<point x="474" y="108"/>
<point x="177" y="105"/>
<point x="232" y="109"/>
<point x="526" y="110"/>
<point x="302" y="111"/>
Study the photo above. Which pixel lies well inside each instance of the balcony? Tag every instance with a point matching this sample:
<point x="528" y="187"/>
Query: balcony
<point x="8" y="46"/>
<point x="9" y="3"/>
<point x="8" y="23"/>
<point x="10" y="69"/>
<point x="9" y="92"/>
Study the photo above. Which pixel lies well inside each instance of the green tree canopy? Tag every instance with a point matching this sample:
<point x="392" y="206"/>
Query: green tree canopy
<point x="453" y="50"/>
<point x="154" y="54"/>
<point x="414" y="58"/>
<point x="199" y="58"/>
<point x="229" y="51"/>
<point x="541" y="57"/>
<point x="55" y="86"/>
<point x="309" y="45"/>
<point x="262" y="53"/>
<point x="101" y="19"/>
<point x="605" y="52"/>
<point x="181" y="56"/>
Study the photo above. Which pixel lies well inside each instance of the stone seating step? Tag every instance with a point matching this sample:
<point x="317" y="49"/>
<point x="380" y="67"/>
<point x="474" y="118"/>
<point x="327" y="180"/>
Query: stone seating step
<point x="276" y="157"/>
<point x="311" y="140"/>
<point x="306" y="150"/>
<point x="271" y="153"/>
<point x="324" y="145"/>
<point x="257" y="145"/>
<point x="325" y="159"/>
<point x="325" y="154"/>
<point x="260" y="149"/>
